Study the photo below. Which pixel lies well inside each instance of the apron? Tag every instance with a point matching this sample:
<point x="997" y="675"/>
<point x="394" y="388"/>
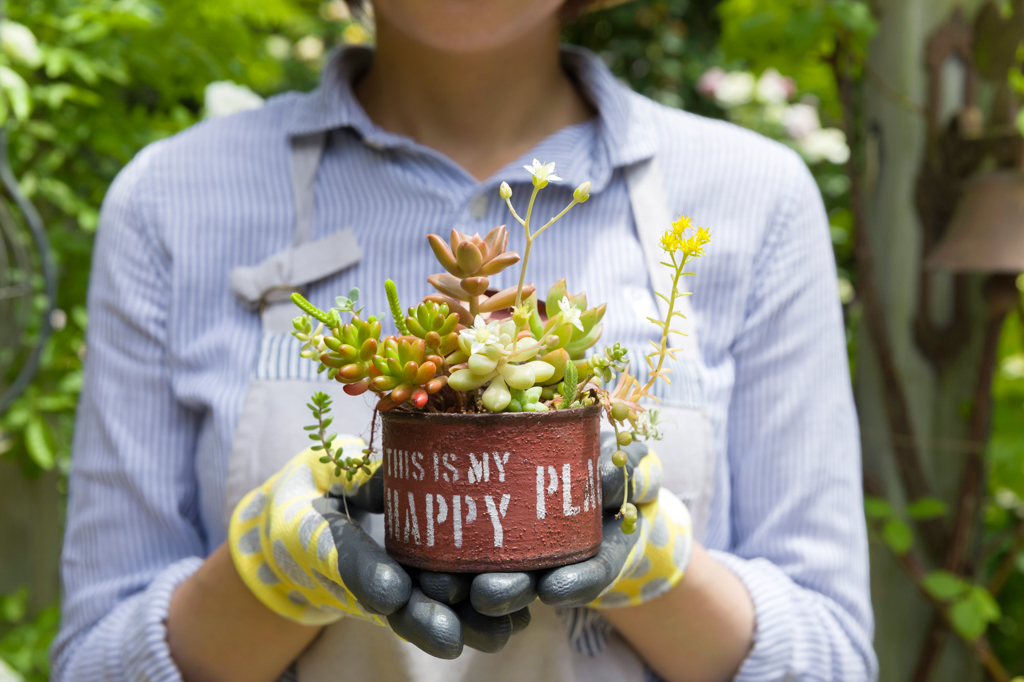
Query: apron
<point x="560" y="645"/>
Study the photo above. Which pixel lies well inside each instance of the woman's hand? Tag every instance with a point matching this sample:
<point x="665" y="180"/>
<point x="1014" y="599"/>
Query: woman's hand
<point x="296" y="545"/>
<point x="627" y="570"/>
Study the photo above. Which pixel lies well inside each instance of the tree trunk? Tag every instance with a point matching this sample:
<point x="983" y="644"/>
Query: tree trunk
<point x="896" y="126"/>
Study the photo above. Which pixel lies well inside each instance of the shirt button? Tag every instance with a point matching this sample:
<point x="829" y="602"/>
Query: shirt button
<point x="478" y="207"/>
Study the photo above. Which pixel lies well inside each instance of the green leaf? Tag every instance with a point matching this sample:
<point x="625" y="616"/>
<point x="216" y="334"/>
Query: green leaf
<point x="36" y="444"/>
<point x="17" y="92"/>
<point x="13" y="605"/>
<point x="898" y="536"/>
<point x="925" y="508"/>
<point x="987" y="604"/>
<point x="966" y="616"/>
<point x="944" y="585"/>
<point x="877" y="508"/>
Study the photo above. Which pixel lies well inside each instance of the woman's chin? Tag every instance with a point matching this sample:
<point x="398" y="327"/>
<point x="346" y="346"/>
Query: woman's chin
<point x="466" y="27"/>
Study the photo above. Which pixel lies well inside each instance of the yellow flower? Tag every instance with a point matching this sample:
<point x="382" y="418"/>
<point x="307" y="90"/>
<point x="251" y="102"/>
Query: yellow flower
<point x="690" y="245"/>
<point x="669" y="241"/>
<point x="681" y="225"/>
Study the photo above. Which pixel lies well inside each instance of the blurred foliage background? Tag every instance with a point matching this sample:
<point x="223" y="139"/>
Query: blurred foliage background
<point x="103" y="78"/>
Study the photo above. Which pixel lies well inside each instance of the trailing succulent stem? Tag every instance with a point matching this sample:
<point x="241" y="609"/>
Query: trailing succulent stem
<point x="320" y="406"/>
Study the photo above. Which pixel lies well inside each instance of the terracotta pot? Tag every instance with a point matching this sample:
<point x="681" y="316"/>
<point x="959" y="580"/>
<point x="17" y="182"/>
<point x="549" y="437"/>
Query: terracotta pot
<point x="492" y="492"/>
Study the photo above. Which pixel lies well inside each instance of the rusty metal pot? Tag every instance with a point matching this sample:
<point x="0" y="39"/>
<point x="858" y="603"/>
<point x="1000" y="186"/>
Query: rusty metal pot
<point x="492" y="492"/>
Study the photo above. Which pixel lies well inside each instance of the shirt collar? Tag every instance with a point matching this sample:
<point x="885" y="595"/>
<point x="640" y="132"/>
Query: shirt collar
<point x="625" y="127"/>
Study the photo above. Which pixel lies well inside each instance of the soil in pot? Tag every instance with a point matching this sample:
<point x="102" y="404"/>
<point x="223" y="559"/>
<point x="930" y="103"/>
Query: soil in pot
<point x="492" y="492"/>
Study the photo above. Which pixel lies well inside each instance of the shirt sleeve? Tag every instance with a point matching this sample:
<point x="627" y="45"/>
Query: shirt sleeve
<point x="132" y="532"/>
<point x="799" y="541"/>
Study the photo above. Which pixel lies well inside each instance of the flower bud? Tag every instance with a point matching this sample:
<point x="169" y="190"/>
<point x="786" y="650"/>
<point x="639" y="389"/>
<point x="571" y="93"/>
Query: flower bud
<point x="582" y="192"/>
<point x="505" y="191"/>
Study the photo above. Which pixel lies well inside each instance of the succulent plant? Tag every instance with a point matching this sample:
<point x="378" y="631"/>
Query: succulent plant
<point x="405" y="372"/>
<point x="470" y="262"/>
<point x="433" y="323"/>
<point x="583" y="335"/>
<point x="349" y="351"/>
<point x="527" y="401"/>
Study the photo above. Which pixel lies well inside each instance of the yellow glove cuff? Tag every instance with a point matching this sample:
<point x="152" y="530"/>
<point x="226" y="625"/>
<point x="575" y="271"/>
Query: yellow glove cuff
<point x="659" y="558"/>
<point x="283" y="548"/>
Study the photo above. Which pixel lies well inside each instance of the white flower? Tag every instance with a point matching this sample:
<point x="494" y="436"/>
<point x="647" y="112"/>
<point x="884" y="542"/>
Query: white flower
<point x="735" y="89"/>
<point x="222" y="98"/>
<point x="800" y="120"/>
<point x="542" y="173"/>
<point x="278" y="47"/>
<point x="481" y="335"/>
<point x="570" y="313"/>
<point x="1012" y="367"/>
<point x="774" y="88"/>
<point x="309" y="49"/>
<point x="19" y="42"/>
<point x="505" y="192"/>
<point x="825" y="145"/>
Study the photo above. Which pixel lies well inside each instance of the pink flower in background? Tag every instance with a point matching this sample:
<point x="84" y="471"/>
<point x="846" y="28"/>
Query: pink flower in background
<point x="774" y="88"/>
<point x="709" y="81"/>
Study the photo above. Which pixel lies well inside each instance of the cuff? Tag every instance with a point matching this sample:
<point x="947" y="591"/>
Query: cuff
<point x="147" y="655"/>
<point x="771" y="591"/>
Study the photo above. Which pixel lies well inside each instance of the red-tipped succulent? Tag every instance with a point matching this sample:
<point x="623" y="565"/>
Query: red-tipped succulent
<point x="405" y="372"/>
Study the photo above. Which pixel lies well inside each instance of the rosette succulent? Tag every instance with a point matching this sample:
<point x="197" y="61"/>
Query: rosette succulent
<point x="405" y="372"/>
<point x="470" y="262"/>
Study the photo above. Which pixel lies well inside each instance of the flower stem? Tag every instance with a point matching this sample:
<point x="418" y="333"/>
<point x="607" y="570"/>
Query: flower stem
<point x="514" y="214"/>
<point x="522" y="272"/>
<point x="555" y="219"/>
<point x="668" y="323"/>
<point x="625" y="474"/>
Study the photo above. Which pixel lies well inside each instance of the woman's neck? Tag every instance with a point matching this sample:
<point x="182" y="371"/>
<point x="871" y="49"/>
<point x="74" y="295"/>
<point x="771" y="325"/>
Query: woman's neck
<point x="482" y="110"/>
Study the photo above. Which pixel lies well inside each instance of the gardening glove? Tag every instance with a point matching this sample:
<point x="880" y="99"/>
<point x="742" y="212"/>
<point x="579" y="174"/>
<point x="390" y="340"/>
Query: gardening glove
<point x="628" y="569"/>
<point x="296" y="549"/>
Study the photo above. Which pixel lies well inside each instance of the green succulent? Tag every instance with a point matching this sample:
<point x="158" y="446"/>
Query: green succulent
<point x="349" y="353"/>
<point x="574" y="339"/>
<point x="433" y="323"/>
<point x="526" y="401"/>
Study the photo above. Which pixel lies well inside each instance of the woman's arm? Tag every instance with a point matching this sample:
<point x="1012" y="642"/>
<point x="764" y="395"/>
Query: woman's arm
<point x="133" y="537"/>
<point x="700" y="631"/>
<point x="219" y="632"/>
<point x="796" y="533"/>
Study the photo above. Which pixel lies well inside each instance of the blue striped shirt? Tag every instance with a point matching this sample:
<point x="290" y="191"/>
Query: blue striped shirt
<point x="170" y="349"/>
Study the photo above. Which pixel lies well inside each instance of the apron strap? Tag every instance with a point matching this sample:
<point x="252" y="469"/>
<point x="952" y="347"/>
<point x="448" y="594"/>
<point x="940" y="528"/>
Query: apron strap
<point x="272" y="280"/>
<point x="652" y="218"/>
<point x="307" y="151"/>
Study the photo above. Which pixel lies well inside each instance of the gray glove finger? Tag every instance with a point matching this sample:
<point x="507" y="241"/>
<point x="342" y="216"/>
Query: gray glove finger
<point x="612" y="479"/>
<point x="430" y="625"/>
<point x="369" y="497"/>
<point x="379" y="583"/>
<point x="520" y="619"/>
<point x="447" y="588"/>
<point x="483" y="633"/>
<point x="498" y="594"/>
<point x="579" y="584"/>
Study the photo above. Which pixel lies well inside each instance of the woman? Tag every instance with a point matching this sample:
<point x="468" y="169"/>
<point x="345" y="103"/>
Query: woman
<point x="411" y="139"/>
